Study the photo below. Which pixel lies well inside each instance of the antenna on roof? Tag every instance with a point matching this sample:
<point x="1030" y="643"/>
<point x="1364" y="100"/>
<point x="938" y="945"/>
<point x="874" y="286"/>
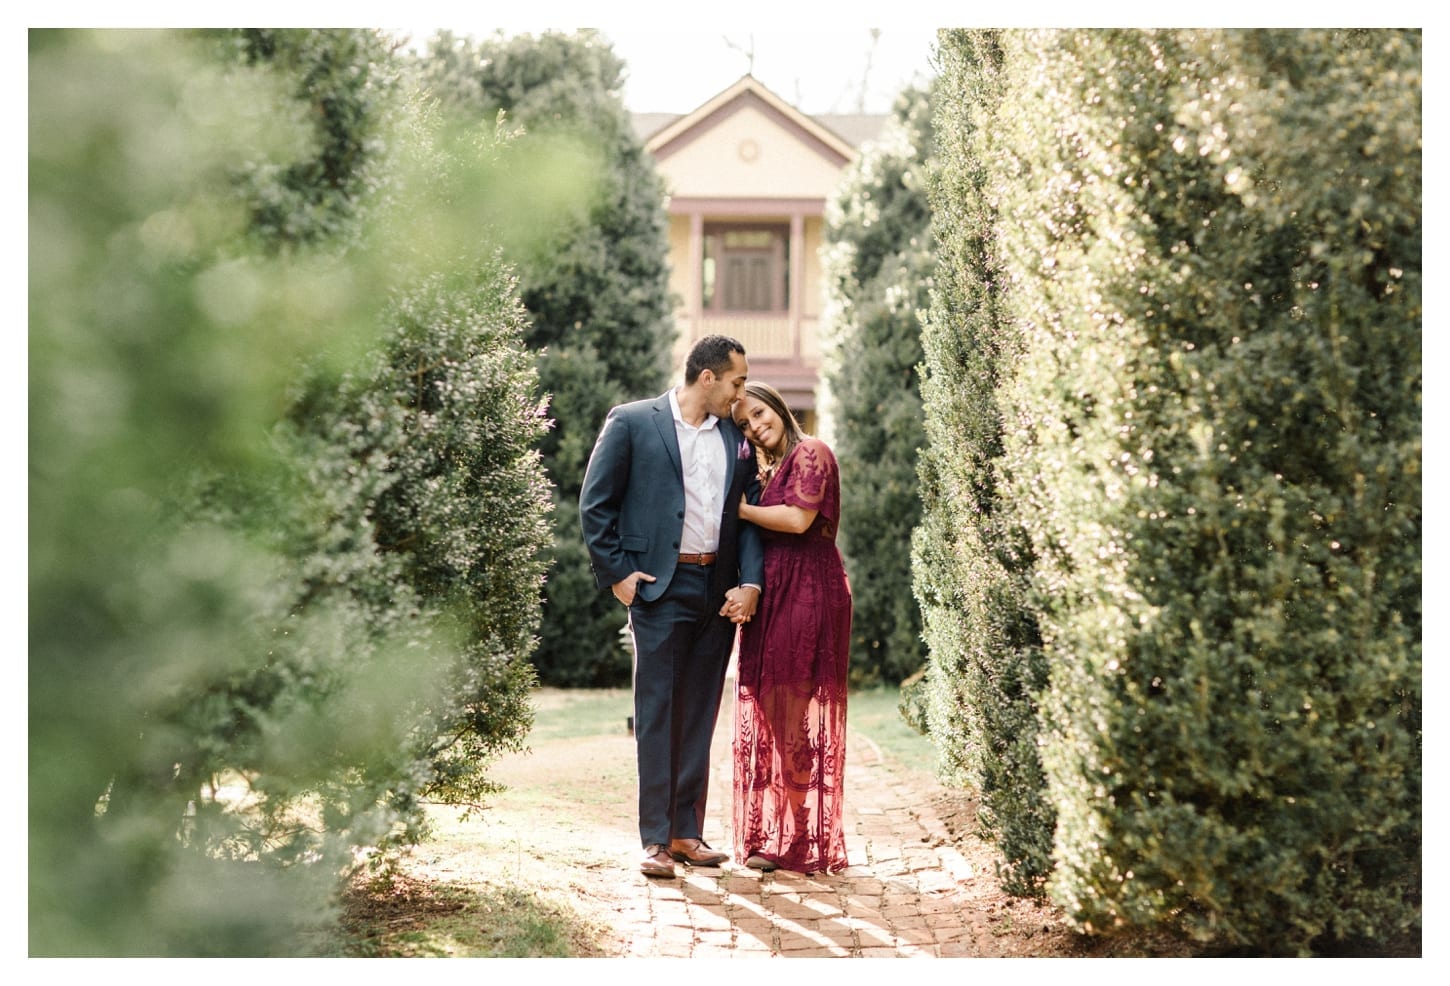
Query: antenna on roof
<point x="866" y="72"/>
<point x="748" y="52"/>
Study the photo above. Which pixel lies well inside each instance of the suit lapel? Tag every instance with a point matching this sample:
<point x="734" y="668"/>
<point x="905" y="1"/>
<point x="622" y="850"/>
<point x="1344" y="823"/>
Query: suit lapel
<point x="731" y="451"/>
<point x="665" y="422"/>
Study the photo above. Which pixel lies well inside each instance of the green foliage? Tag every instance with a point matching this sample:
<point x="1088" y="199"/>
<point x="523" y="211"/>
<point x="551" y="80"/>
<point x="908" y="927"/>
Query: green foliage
<point x="437" y="514"/>
<point x="1211" y="434"/>
<point x="972" y="564"/>
<point x="878" y="270"/>
<point x="344" y="85"/>
<point x="595" y="284"/>
<point x="140" y="366"/>
<point x="254" y="646"/>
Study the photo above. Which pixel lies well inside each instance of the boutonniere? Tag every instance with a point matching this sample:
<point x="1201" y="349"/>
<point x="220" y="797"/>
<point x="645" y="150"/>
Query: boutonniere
<point x="745" y="449"/>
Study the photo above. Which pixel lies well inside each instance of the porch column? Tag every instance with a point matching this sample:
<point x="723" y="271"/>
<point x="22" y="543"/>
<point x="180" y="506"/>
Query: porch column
<point x="797" y="280"/>
<point x="694" y="305"/>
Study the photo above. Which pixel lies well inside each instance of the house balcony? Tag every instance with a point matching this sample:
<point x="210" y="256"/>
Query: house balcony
<point x="783" y="351"/>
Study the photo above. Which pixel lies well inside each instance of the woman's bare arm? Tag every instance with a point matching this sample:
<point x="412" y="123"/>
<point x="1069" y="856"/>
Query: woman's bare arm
<point x="781" y="517"/>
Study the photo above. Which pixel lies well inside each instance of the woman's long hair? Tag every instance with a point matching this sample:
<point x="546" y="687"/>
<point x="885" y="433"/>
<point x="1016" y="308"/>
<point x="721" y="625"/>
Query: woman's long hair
<point x="771" y="398"/>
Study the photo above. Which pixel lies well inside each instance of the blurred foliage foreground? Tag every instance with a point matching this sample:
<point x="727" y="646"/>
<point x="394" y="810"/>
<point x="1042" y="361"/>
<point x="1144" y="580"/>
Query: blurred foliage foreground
<point x="286" y="510"/>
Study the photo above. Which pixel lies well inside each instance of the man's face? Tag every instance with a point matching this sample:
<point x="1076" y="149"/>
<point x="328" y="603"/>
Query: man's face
<point x="727" y="389"/>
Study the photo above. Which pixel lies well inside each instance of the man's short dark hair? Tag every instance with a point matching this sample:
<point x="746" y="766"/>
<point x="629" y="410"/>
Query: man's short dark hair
<point x="711" y="353"/>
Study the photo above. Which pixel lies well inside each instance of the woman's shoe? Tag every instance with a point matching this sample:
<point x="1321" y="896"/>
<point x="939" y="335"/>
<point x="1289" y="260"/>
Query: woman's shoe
<point x="759" y="862"/>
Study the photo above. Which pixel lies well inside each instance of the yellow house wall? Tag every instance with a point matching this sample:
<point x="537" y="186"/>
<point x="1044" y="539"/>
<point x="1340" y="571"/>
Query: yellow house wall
<point x="748" y="155"/>
<point x="679" y="235"/>
<point x="813" y="296"/>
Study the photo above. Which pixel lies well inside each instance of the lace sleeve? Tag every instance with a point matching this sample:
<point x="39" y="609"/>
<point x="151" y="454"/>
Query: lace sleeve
<point x="813" y="481"/>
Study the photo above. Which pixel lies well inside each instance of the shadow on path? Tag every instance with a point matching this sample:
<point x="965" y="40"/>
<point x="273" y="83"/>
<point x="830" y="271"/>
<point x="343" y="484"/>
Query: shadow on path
<point x="909" y="892"/>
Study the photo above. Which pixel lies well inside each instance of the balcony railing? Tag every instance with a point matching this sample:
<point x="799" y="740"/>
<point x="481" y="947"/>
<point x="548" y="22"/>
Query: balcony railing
<point x="765" y="336"/>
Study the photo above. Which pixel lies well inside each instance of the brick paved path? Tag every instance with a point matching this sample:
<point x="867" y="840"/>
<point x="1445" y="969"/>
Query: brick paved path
<point x="906" y="893"/>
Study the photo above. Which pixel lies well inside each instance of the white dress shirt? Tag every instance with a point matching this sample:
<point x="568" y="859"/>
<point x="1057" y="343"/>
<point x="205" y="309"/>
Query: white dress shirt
<point x="702" y="459"/>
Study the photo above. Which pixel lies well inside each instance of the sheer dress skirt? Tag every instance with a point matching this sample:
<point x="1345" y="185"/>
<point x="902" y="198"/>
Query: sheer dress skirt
<point x="789" y="745"/>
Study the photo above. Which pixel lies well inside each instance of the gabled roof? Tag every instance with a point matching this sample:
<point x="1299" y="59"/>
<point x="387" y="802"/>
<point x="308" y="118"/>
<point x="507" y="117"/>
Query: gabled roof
<point x="746" y="89"/>
<point x="857" y="129"/>
<point x="646" y="125"/>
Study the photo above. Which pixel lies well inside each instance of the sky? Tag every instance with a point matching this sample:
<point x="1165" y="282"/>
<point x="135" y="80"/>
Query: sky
<point x="819" y="55"/>
<point x="844" y="70"/>
<point x="840" y="69"/>
<point x="821" y="58"/>
<point x="842" y="56"/>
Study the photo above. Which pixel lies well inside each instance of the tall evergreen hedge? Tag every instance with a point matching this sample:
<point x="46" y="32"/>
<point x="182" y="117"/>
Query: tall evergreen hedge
<point x="972" y="561"/>
<point x="1211" y="433"/>
<point x="878" y="263"/>
<point x="595" y="283"/>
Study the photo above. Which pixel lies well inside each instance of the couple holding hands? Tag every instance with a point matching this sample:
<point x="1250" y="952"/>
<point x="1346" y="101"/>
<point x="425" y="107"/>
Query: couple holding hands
<point x="709" y="513"/>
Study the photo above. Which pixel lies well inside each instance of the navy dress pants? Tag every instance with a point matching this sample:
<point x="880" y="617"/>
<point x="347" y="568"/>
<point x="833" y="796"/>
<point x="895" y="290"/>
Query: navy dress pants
<point x="681" y="652"/>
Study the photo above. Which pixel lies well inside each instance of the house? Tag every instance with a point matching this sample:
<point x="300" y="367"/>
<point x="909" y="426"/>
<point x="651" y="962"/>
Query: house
<point x="748" y="177"/>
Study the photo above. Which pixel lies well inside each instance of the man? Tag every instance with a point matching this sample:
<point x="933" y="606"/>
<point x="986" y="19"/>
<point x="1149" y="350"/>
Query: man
<point x="659" y="512"/>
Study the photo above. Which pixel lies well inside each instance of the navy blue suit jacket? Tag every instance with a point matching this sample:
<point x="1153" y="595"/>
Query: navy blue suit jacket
<point x="632" y="504"/>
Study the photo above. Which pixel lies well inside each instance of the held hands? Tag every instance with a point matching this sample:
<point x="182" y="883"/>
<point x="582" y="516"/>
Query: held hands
<point x="740" y="603"/>
<point x="624" y="590"/>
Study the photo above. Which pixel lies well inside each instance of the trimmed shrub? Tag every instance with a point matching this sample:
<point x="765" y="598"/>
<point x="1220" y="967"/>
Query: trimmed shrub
<point x="972" y="562"/>
<point x="437" y="520"/>
<point x="1212" y="435"/>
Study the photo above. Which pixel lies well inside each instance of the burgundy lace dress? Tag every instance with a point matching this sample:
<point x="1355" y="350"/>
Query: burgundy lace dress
<point x="790" y="699"/>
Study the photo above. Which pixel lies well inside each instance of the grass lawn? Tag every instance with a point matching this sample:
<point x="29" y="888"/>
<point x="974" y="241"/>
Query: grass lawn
<point x="874" y="713"/>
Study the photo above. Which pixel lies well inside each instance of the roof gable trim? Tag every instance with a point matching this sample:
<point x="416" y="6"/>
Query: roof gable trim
<point x="747" y="91"/>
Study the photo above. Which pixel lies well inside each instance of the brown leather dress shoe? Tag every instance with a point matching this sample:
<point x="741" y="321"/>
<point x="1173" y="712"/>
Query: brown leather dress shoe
<point x="657" y="862"/>
<point x="696" y="853"/>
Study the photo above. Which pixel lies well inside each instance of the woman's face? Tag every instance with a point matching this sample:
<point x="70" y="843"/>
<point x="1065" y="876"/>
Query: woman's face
<point x="761" y="425"/>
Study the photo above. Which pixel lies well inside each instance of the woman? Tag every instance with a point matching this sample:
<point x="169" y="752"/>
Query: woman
<point x="790" y="701"/>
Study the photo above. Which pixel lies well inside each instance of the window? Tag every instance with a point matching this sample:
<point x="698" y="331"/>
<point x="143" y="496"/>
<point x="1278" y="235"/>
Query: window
<point x="746" y="268"/>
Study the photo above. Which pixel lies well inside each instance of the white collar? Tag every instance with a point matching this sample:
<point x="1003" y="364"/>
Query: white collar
<point x="709" y="422"/>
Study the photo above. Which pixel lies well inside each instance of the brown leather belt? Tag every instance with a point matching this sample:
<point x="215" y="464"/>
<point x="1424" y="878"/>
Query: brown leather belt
<point x="706" y="559"/>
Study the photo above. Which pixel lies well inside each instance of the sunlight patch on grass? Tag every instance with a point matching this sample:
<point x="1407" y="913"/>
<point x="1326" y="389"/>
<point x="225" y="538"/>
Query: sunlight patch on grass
<point x="875" y="713"/>
<point x="561" y="713"/>
<point x="398" y="917"/>
<point x="601" y="714"/>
